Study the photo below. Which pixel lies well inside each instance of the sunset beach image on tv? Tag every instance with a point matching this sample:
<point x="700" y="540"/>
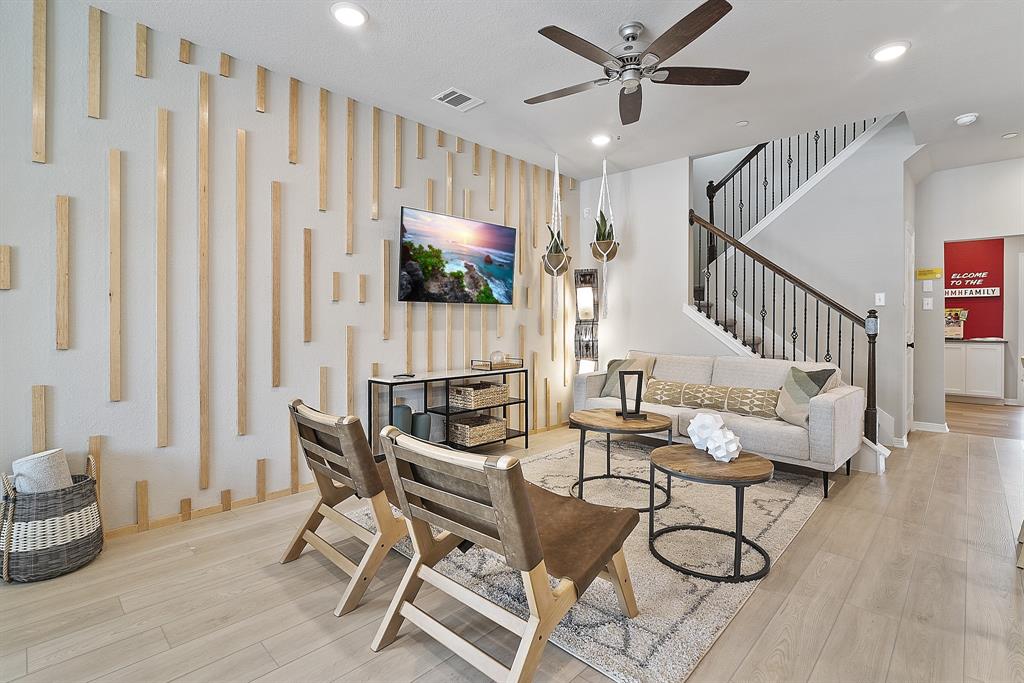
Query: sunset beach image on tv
<point x="446" y="259"/>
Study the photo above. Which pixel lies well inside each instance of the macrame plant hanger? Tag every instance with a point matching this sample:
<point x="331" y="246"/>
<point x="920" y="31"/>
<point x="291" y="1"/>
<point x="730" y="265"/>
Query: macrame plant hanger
<point x="553" y="268"/>
<point x="604" y="201"/>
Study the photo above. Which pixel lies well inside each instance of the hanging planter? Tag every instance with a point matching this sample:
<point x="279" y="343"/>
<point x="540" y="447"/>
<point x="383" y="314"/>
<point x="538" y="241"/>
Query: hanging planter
<point x="555" y="260"/>
<point x="604" y="247"/>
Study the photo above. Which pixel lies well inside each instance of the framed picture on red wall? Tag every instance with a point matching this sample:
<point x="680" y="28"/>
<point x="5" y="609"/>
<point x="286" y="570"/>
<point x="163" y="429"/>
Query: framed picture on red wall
<point x="974" y="284"/>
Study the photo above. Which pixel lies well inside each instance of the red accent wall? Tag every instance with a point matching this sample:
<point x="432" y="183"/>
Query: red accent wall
<point x="985" y="314"/>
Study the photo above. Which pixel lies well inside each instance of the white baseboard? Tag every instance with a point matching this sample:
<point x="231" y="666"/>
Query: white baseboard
<point x="900" y="442"/>
<point x="929" y="427"/>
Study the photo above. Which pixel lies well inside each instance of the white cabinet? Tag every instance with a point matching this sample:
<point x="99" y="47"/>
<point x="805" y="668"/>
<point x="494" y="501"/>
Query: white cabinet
<point x="974" y="369"/>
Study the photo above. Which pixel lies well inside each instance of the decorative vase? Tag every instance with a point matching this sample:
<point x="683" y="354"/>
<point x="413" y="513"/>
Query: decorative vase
<point x="555" y="264"/>
<point x="421" y="426"/>
<point x="497" y="357"/>
<point x="403" y="417"/>
<point x="604" y="250"/>
<point x="701" y="427"/>
<point x="723" y="445"/>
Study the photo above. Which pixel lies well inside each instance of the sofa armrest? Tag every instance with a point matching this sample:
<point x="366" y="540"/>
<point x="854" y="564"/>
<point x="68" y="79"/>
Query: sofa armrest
<point x="836" y="425"/>
<point x="586" y="385"/>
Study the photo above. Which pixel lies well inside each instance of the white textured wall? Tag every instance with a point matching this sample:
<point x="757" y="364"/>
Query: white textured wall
<point x="973" y="202"/>
<point x="77" y="155"/>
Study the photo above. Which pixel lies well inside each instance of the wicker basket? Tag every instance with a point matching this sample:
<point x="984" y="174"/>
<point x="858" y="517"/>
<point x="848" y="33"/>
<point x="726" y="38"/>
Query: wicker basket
<point x="52" y="533"/>
<point x="473" y="430"/>
<point x="478" y="395"/>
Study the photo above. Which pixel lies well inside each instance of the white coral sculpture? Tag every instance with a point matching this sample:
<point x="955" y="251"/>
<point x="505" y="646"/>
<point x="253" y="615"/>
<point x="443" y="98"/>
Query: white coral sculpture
<point x="723" y="445"/>
<point x="702" y="426"/>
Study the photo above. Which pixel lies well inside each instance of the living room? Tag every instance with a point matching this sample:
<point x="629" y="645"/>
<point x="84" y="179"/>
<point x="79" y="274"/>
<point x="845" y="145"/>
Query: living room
<point x="344" y="341"/>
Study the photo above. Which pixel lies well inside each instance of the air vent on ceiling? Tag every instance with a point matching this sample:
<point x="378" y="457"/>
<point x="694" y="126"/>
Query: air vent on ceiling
<point x="458" y="99"/>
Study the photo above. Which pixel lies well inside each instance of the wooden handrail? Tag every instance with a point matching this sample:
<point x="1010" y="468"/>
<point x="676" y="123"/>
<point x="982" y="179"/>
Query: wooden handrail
<point x="759" y="258"/>
<point x="715" y="187"/>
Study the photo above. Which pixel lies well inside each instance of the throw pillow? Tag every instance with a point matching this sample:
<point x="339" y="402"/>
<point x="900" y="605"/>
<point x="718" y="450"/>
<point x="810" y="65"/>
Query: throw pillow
<point x="796" y="394"/>
<point x="705" y="396"/>
<point x="611" y="383"/>
<point x="663" y="392"/>
<point x="753" y="402"/>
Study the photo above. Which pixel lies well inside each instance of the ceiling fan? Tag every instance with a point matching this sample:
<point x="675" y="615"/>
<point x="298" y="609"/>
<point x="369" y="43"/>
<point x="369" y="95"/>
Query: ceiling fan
<point x="632" y="61"/>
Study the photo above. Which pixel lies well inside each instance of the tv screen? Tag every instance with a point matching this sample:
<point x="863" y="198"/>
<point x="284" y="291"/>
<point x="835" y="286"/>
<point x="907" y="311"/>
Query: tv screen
<point x="451" y="260"/>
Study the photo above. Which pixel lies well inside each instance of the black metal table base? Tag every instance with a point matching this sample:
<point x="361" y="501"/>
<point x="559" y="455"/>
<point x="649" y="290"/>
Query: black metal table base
<point x="735" y="577"/>
<point x="577" y="488"/>
<point x="624" y="477"/>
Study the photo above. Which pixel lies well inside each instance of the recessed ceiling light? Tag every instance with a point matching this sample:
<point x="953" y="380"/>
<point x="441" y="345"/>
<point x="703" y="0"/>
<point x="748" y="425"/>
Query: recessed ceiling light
<point x="600" y="140"/>
<point x="743" y="124"/>
<point x="890" y="51"/>
<point x="349" y="14"/>
<point x="966" y="119"/>
<point x="1010" y="135"/>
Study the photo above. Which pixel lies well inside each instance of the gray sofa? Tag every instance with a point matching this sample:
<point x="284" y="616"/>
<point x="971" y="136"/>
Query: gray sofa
<point x="835" y="425"/>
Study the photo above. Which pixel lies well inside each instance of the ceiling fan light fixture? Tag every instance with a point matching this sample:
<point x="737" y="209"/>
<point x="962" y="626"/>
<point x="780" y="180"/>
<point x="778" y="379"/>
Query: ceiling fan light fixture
<point x="1009" y="136"/>
<point x="966" y="119"/>
<point x="600" y="140"/>
<point x="349" y="14"/>
<point x="890" y="51"/>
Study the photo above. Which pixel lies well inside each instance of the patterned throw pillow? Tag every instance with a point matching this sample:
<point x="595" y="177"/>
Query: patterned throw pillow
<point x="797" y="391"/>
<point x="705" y="396"/>
<point x="611" y="383"/>
<point x="664" y="392"/>
<point x="753" y="402"/>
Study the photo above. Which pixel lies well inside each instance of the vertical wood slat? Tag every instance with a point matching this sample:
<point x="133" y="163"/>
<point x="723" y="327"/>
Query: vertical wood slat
<point x="375" y="164"/>
<point x="95" y="61"/>
<point x="275" y="286"/>
<point x="38" y="418"/>
<point x="142" y="504"/>
<point x="430" y="337"/>
<point x="350" y="370"/>
<point x="96" y="453"/>
<point x="522" y="224"/>
<point x="293" y="120"/>
<point x="429" y="206"/>
<point x="522" y="354"/>
<point x="465" y="336"/>
<point x="241" y="267"/>
<point x="293" y="456"/>
<point x="374" y="409"/>
<point x="225" y="500"/>
<point x="547" y="403"/>
<point x="63" y="304"/>
<point x="5" y="266"/>
<point x="162" y="422"/>
<point x="261" y="480"/>
<point x="419" y="140"/>
<point x="507" y="192"/>
<point x="399" y="122"/>
<point x="449" y="179"/>
<point x="350" y="172"/>
<point x="533" y="389"/>
<point x="335" y="286"/>
<point x="459" y="145"/>
<point x="307" y="285"/>
<point x="185" y="509"/>
<point x="572" y="184"/>
<point x="39" y="73"/>
<point x="448" y="336"/>
<point x="386" y="275"/>
<point x="408" y="336"/>
<point x="324" y="406"/>
<point x="203" y="191"/>
<point x="114" y="273"/>
<point x="225" y="65"/>
<point x="484" y="353"/>
<point x="476" y="159"/>
<point x="440" y="138"/>
<point x="467" y="203"/>
<point x="540" y="302"/>
<point x="261" y="89"/>
<point x="141" y="50"/>
<point x="535" y="203"/>
<point x="492" y="182"/>
<point x="321" y="203"/>
<point x="362" y="288"/>
<point x="185" y="51"/>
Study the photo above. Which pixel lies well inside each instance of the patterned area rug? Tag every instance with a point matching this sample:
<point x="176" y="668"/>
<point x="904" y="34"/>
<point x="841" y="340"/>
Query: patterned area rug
<point x="680" y="616"/>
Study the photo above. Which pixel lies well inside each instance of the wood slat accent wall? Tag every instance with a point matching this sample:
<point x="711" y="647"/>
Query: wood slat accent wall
<point x="325" y="405"/>
<point x="307" y="285"/>
<point x="275" y="286"/>
<point x="161" y="279"/>
<point x="203" y="191"/>
<point x="141" y="50"/>
<point x="350" y="370"/>
<point x="361" y="294"/>
<point x="440" y="138"/>
<point x="350" y="173"/>
<point x="523" y="218"/>
<point x="399" y="122"/>
<point x="419" y="141"/>
<point x="508" y="193"/>
<point x="321" y="203"/>
<point x="95" y="61"/>
<point x="458" y="145"/>
<point x="430" y="337"/>
<point x="261" y="480"/>
<point x="5" y="266"/>
<point x="63" y="303"/>
<point x="448" y="337"/>
<point x="114" y="273"/>
<point x="492" y="182"/>
<point x="225" y="65"/>
<point x="476" y="159"/>
<point x="261" y="89"/>
<point x="142" y="505"/>
<point x="375" y="164"/>
<point x="38" y="418"/>
<point x="408" y="337"/>
<point x="293" y="120"/>
<point x="429" y="206"/>
<point x="39" y="73"/>
<point x="241" y="269"/>
<point x="335" y="286"/>
<point x="386" y="282"/>
<point x="184" y="51"/>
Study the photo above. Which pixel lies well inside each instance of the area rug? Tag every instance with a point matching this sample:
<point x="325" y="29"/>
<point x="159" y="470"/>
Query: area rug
<point x="680" y="616"/>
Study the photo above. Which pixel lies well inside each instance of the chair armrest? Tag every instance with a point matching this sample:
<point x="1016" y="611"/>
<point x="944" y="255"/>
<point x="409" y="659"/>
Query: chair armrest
<point x="836" y="425"/>
<point x="586" y="385"/>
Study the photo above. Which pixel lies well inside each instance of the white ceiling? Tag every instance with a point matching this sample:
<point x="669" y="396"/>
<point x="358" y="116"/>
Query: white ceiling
<point x="808" y="60"/>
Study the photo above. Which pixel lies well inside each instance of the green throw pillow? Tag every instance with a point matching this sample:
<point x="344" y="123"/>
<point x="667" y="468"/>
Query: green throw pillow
<point x="796" y="394"/>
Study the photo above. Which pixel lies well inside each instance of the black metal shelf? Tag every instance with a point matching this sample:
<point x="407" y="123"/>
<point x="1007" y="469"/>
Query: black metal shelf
<point x="509" y="434"/>
<point x="447" y="410"/>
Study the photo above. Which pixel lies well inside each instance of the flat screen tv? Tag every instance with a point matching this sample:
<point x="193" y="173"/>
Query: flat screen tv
<point x="450" y="260"/>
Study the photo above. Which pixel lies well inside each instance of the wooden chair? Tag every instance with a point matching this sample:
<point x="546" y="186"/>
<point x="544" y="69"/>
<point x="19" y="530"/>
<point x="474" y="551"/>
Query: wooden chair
<point x="339" y="457"/>
<point x="487" y="501"/>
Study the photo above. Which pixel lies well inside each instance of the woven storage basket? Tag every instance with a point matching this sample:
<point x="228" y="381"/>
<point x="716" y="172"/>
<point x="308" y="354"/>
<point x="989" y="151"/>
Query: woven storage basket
<point x="48" y="534"/>
<point x="477" y="395"/>
<point x="473" y="430"/>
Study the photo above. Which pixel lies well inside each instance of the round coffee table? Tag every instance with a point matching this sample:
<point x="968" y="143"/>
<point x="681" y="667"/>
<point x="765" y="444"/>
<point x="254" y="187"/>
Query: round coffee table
<point x="686" y="462"/>
<point x="605" y="420"/>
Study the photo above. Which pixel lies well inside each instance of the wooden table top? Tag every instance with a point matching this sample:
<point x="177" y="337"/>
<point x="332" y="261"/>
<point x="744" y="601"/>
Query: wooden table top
<point x="605" y="420"/>
<point x="688" y="463"/>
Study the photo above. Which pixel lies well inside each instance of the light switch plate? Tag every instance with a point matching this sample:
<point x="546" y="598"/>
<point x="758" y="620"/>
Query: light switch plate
<point x="879" y="298"/>
<point x="926" y="303"/>
<point x="927" y="286"/>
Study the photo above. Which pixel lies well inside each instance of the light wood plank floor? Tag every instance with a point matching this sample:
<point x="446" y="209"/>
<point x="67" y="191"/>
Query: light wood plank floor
<point x="984" y="419"/>
<point x="905" y="576"/>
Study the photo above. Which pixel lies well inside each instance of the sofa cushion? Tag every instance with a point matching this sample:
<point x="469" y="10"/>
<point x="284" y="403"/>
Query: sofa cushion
<point x="611" y="384"/>
<point x="798" y="390"/>
<point x="761" y="373"/>
<point x="754" y="402"/>
<point x="696" y="369"/>
<point x="769" y="437"/>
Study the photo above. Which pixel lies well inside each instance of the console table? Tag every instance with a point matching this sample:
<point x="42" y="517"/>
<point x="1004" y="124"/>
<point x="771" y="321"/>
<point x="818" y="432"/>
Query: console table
<point x="445" y="410"/>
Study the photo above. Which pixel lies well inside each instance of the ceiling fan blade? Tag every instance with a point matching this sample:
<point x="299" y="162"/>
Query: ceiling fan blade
<point x="629" y="105"/>
<point x="585" y="49"/>
<point x="685" y="31"/>
<point x="699" y="75"/>
<point x="571" y="90"/>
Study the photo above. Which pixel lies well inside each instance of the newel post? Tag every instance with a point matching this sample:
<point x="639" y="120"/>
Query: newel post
<point x="871" y="412"/>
